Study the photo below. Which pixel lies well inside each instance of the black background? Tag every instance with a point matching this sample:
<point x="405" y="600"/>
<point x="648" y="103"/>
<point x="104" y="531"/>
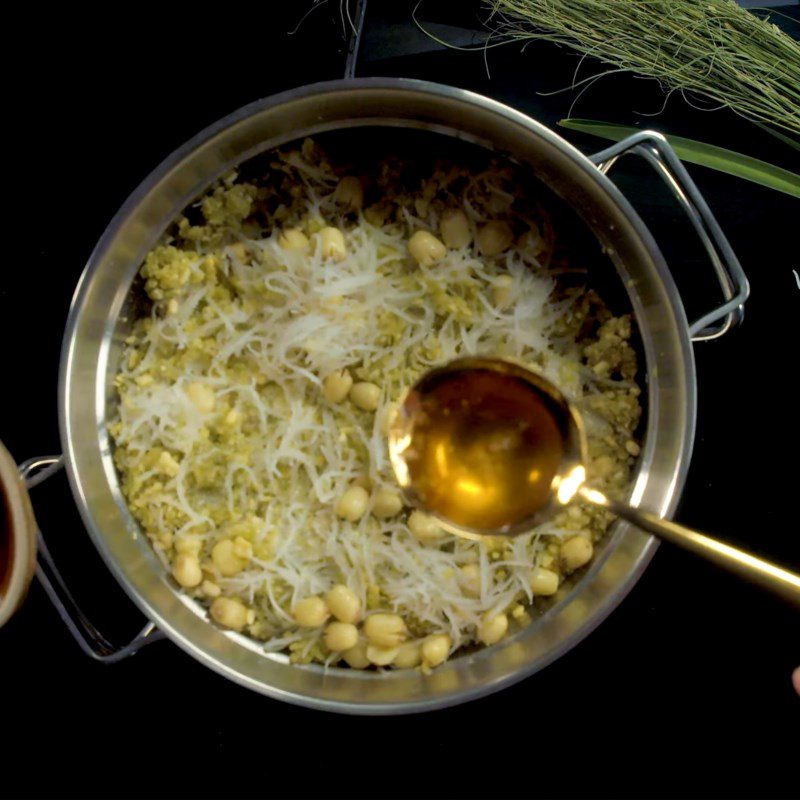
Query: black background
<point x="685" y="690"/>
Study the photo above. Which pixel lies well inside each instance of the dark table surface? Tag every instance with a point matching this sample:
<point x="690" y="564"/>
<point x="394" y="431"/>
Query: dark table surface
<point x="685" y="690"/>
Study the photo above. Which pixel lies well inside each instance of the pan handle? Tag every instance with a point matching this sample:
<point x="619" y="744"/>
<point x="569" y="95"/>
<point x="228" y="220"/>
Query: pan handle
<point x="656" y="150"/>
<point x="356" y="31"/>
<point x="33" y="472"/>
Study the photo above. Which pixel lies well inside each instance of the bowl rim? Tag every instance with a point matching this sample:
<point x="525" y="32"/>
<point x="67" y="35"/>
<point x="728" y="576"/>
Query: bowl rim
<point x="22" y="537"/>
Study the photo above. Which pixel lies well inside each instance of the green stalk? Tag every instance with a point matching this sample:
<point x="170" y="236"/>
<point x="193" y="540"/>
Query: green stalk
<point x="702" y="154"/>
<point x="778" y="135"/>
<point x="713" y="48"/>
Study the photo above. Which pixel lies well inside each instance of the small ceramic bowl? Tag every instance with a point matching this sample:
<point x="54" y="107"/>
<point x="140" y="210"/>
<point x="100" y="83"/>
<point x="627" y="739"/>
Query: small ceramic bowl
<point x="17" y="538"/>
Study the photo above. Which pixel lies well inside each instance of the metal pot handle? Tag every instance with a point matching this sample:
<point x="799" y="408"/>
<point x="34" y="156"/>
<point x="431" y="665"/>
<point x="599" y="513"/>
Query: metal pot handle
<point x="656" y="150"/>
<point x="33" y="472"/>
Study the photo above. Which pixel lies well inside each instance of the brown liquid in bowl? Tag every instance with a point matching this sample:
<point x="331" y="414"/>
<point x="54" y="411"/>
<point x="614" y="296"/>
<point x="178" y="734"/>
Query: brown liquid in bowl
<point x="486" y="449"/>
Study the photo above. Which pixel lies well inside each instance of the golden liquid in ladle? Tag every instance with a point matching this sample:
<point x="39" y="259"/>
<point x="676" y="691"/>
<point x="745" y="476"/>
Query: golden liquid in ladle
<point x="485" y="450"/>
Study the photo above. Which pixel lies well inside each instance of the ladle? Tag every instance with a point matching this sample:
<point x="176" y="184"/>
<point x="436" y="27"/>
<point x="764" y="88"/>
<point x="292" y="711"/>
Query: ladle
<point x="492" y="448"/>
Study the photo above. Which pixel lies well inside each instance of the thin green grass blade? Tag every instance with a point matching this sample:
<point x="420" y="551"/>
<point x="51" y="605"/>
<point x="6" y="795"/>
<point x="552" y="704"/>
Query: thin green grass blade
<point x="702" y="154"/>
<point x="778" y="135"/>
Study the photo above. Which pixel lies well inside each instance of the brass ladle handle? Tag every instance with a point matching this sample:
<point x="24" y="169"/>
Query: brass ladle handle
<point x="769" y="576"/>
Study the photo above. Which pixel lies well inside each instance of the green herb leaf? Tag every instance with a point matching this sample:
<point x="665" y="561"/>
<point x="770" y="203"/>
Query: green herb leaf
<point x="703" y="154"/>
<point x="778" y="135"/>
<point x="711" y="47"/>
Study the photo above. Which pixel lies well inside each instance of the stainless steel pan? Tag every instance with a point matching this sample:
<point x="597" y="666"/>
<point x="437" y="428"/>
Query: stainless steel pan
<point x="96" y="328"/>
